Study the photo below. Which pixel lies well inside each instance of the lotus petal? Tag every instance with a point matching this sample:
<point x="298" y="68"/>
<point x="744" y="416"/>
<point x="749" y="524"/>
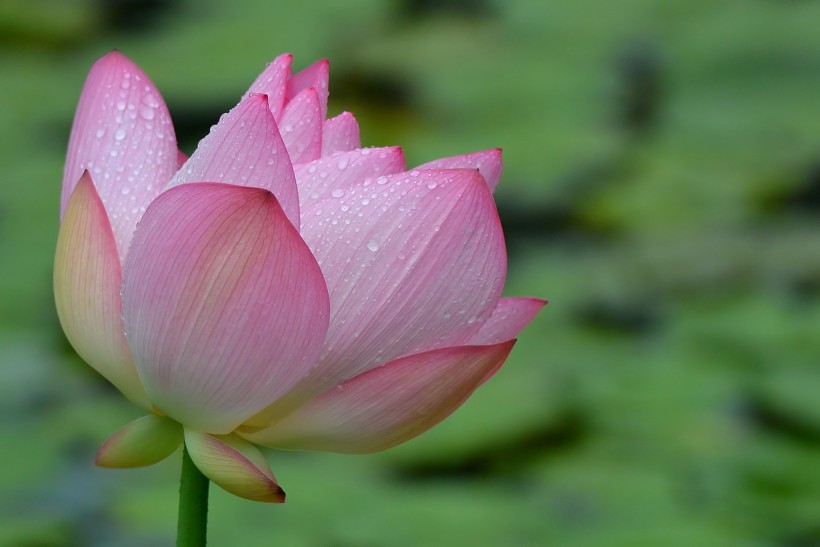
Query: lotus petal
<point x="389" y="404"/>
<point x="301" y="126"/>
<point x="273" y="82"/>
<point x="225" y="307"/>
<point x="235" y="465"/>
<point x="123" y="136"/>
<point x="145" y="441"/>
<point x="316" y="76"/>
<point x="87" y="280"/>
<point x="488" y="163"/>
<point x="509" y="317"/>
<point x="340" y="134"/>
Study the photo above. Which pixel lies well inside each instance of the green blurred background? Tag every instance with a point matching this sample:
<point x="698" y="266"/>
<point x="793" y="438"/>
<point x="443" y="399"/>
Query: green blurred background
<point x="661" y="189"/>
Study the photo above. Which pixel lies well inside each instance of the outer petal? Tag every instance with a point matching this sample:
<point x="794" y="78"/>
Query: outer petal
<point x="234" y="464"/>
<point x="316" y="76"/>
<point x="509" y="317"/>
<point x="145" y="441"/>
<point x="413" y="262"/>
<point x="488" y="163"/>
<point x="389" y="404"/>
<point x="340" y="134"/>
<point x="245" y="148"/>
<point x="87" y="279"/>
<point x="334" y="174"/>
<point x="123" y="135"/>
<point x="301" y="126"/>
<point x="273" y="82"/>
<point x="225" y="308"/>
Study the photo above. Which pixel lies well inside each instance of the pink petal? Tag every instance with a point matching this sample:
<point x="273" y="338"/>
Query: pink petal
<point x="87" y="280"/>
<point x="315" y="76"/>
<point x="273" y="82"/>
<point x="488" y="162"/>
<point x="225" y="308"/>
<point x="332" y="175"/>
<point x="301" y="127"/>
<point x="181" y="159"/>
<point x="245" y="149"/>
<point x="509" y="317"/>
<point x="235" y="465"/>
<point x="413" y="262"/>
<point x="122" y="134"/>
<point x="340" y="134"/>
<point x="145" y="441"/>
<point x="387" y="405"/>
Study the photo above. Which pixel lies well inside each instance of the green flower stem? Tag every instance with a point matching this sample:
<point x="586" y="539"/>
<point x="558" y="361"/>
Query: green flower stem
<point x="192" y="526"/>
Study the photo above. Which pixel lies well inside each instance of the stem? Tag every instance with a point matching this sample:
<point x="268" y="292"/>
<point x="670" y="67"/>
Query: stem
<point x="193" y="504"/>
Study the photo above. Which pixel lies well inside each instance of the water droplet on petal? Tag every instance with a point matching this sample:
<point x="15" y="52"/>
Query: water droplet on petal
<point x="119" y="134"/>
<point x="373" y="245"/>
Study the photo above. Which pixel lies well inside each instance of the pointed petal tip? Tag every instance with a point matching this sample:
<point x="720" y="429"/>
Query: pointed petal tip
<point x="145" y="441"/>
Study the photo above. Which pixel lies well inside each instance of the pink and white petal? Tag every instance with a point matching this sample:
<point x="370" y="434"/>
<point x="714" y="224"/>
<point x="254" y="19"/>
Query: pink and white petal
<point x="301" y="127"/>
<point x="340" y="134"/>
<point x="225" y="307"/>
<point x="123" y="135"/>
<point x="316" y="76"/>
<point x="488" y="163"/>
<point x="145" y="441"/>
<point x="273" y="82"/>
<point x="332" y="175"/>
<point x="412" y="261"/>
<point x="235" y="465"/>
<point x="245" y="149"/>
<point x="509" y="317"/>
<point x="389" y="404"/>
<point x="87" y="280"/>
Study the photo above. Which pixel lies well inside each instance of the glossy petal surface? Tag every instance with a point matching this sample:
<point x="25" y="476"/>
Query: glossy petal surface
<point x="235" y="465"/>
<point x="123" y="136"/>
<point x="413" y="262"/>
<point x="488" y="163"/>
<point x="340" y="134"/>
<point x="225" y="308"/>
<point x="145" y="441"/>
<point x="389" y="404"/>
<point x="332" y="175"/>
<point x="509" y="317"/>
<point x="301" y="127"/>
<point x="87" y="281"/>
<point x="245" y="149"/>
<point x="273" y="82"/>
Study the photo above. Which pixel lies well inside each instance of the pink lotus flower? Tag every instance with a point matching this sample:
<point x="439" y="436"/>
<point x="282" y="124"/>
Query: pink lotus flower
<point x="283" y="286"/>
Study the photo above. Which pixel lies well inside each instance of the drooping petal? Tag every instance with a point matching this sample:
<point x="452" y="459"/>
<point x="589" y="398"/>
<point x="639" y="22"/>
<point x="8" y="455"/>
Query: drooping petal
<point x="334" y="174"/>
<point x="87" y="280"/>
<point x="245" y="149"/>
<point x="123" y="136"/>
<point x="225" y="307"/>
<point x="413" y="262"/>
<point x="235" y="465"/>
<point x="145" y="441"/>
<point x="488" y="163"/>
<point x="509" y="317"/>
<point x="301" y="126"/>
<point x="273" y="82"/>
<point x="340" y="134"/>
<point x="316" y="76"/>
<point x="389" y="404"/>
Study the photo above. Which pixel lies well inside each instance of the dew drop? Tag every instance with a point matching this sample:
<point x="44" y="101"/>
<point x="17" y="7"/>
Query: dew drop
<point x="147" y="112"/>
<point x="337" y="193"/>
<point x="373" y="245"/>
<point x="100" y="132"/>
<point x="119" y="134"/>
<point x="120" y="105"/>
<point x="125" y="190"/>
<point x="432" y="184"/>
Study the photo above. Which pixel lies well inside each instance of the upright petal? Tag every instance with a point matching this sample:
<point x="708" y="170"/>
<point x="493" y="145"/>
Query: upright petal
<point x="301" y="126"/>
<point x="488" y="163"/>
<point x="273" y="82"/>
<point x="87" y="279"/>
<point x="235" y="465"/>
<point x="340" y="134"/>
<point x="225" y="308"/>
<point x="413" y="262"/>
<point x="316" y="76"/>
<point x="123" y="135"/>
<point x="245" y="149"/>
<point x="335" y="174"/>
<point x="509" y="317"/>
<point x="389" y="404"/>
